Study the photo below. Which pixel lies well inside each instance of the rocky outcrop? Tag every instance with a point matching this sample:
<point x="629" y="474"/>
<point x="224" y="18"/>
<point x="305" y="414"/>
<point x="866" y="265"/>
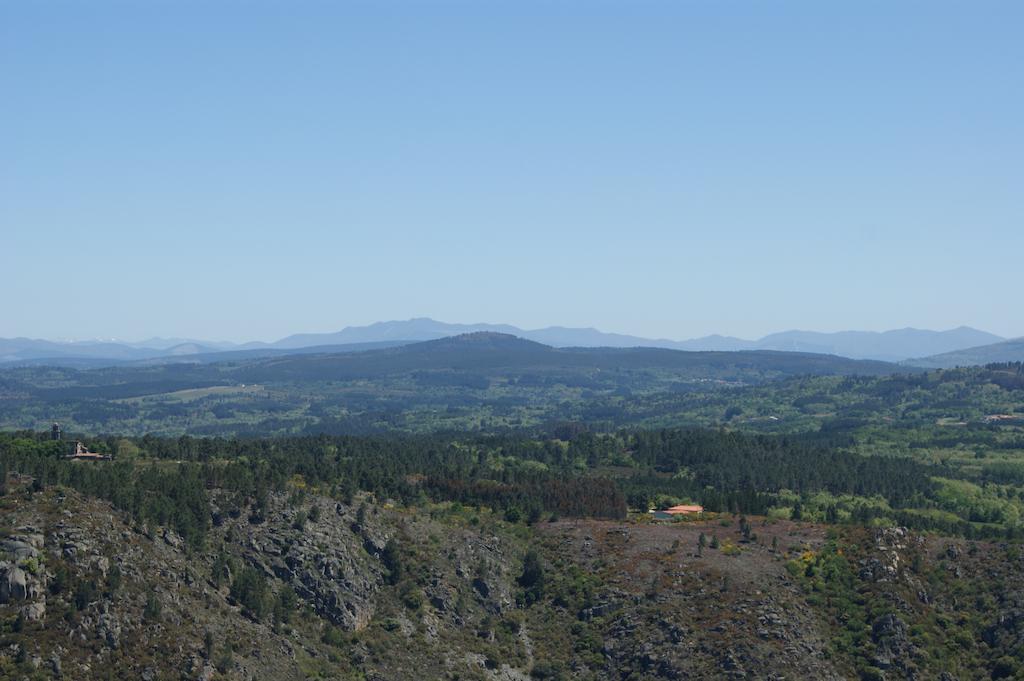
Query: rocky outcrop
<point x="887" y="561"/>
<point x="14" y="585"/>
<point x="22" y="574"/>
<point x="34" y="612"/>
<point x="333" y="566"/>
<point x="19" y="548"/>
<point x="629" y="599"/>
<point x="893" y="649"/>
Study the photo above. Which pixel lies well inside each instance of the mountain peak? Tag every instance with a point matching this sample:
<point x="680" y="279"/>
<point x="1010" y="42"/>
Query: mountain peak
<point x="484" y="340"/>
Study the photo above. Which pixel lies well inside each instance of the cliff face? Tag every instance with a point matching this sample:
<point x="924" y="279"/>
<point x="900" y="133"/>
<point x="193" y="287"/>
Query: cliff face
<point x="306" y="586"/>
<point x="362" y="591"/>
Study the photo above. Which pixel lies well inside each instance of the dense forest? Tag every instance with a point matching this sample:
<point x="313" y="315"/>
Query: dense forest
<point x="939" y="450"/>
<point x="813" y="476"/>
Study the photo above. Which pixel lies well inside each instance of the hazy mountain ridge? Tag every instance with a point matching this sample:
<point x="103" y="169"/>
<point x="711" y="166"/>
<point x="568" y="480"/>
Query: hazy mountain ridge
<point x="1005" y="351"/>
<point x="889" y="346"/>
<point x="419" y="329"/>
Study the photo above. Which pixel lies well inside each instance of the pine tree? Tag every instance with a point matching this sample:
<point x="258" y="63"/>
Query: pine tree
<point x="532" y="577"/>
<point x="392" y="559"/>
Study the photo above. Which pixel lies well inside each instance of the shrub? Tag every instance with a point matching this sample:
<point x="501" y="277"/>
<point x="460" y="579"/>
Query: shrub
<point x="333" y="636"/>
<point x="151" y="612"/>
<point x="546" y="671"/>
<point x="392" y="559"/>
<point x="532" y="577"/>
<point x="250" y="589"/>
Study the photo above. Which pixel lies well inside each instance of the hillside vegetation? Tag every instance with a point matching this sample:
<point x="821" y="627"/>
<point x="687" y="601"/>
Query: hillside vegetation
<point x="340" y="558"/>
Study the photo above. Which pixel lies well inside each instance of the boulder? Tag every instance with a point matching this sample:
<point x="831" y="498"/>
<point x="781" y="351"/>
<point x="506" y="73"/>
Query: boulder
<point x="109" y="629"/>
<point x="34" y="612"/>
<point x="18" y="549"/>
<point x="172" y="539"/>
<point x="31" y="536"/>
<point x="100" y="564"/>
<point x="14" y="584"/>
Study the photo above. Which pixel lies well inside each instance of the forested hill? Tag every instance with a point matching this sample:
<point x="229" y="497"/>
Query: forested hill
<point x="485" y="355"/>
<point x="1007" y="351"/>
<point x="474" y="381"/>
<point x="494" y="352"/>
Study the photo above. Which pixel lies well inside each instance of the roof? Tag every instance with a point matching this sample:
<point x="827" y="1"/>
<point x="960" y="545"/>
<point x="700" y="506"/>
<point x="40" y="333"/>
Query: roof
<point x="685" y="508"/>
<point x="89" y="455"/>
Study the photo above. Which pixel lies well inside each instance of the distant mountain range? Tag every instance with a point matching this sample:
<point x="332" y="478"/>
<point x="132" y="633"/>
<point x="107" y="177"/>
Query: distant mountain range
<point x="888" y="346"/>
<point x="899" y="345"/>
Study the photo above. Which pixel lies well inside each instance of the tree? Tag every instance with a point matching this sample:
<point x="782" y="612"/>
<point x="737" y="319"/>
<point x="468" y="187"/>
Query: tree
<point x="221" y="569"/>
<point x="639" y="500"/>
<point x="113" y="581"/>
<point x="532" y="577"/>
<point x="392" y="559"/>
<point x="208" y="644"/>
<point x="259" y="508"/>
<point x="85" y="593"/>
<point x="285" y="605"/>
<point x="513" y="514"/>
<point x="250" y="589"/>
<point x="153" y="608"/>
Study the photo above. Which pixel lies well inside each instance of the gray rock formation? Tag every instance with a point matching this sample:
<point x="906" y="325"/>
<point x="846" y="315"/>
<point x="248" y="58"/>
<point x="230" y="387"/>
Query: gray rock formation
<point x="13" y="584"/>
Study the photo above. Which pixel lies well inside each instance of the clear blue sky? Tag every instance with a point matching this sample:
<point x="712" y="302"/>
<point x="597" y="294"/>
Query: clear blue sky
<point x="246" y="170"/>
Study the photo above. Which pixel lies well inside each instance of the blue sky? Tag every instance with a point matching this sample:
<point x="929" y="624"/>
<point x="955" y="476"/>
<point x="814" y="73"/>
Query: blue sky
<point x="246" y="170"/>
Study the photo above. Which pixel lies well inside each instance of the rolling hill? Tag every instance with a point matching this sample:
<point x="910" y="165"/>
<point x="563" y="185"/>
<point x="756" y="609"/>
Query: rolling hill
<point x="495" y="353"/>
<point x="485" y="355"/>
<point x="438" y="383"/>
<point x="1006" y="351"/>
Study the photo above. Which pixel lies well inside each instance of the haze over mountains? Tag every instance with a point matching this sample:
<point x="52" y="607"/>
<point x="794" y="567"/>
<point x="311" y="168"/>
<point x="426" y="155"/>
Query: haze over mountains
<point x="899" y="345"/>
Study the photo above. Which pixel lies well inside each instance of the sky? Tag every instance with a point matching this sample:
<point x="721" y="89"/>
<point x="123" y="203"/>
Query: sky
<point x="232" y="170"/>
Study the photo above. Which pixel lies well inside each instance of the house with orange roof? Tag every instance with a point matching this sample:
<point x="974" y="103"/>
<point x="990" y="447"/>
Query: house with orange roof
<point x="676" y="511"/>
